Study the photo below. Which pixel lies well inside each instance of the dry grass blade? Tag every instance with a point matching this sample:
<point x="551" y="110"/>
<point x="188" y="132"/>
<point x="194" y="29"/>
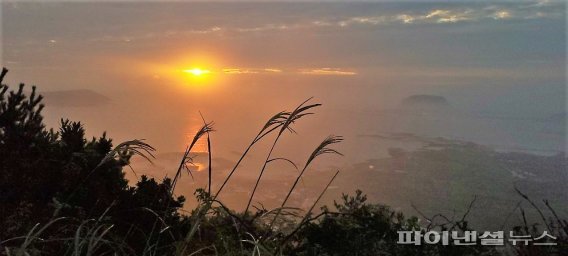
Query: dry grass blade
<point x="277" y="119"/>
<point x="271" y="125"/>
<point x="534" y="206"/>
<point x="319" y="197"/>
<point x="289" y="211"/>
<point x="87" y="242"/>
<point x="298" y="113"/>
<point x="558" y="220"/>
<point x="33" y="234"/>
<point x="189" y="162"/>
<point x="205" y="129"/>
<point x="209" y="155"/>
<point x="305" y="219"/>
<point x="323" y="148"/>
<point x="281" y="120"/>
<point x="96" y="238"/>
<point x="164" y="224"/>
<point x="127" y="149"/>
<point x="284" y="159"/>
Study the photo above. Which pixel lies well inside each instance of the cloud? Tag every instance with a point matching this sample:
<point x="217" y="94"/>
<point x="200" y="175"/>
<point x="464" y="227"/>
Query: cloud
<point x="267" y="27"/>
<point x="327" y="71"/>
<point x="451" y="16"/>
<point x="240" y="71"/>
<point x="502" y="15"/>
<point x="273" y="70"/>
<point x="541" y="9"/>
<point x="306" y="71"/>
<point x="442" y="14"/>
<point x="531" y="10"/>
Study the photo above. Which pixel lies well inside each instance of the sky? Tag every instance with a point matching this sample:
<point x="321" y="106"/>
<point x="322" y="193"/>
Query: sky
<point x="264" y="57"/>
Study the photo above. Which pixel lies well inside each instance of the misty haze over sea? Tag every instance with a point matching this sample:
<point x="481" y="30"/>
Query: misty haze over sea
<point x="499" y="124"/>
<point x="369" y="131"/>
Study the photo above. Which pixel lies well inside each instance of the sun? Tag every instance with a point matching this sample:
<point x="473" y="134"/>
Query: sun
<point x="196" y="77"/>
<point x="197" y="71"/>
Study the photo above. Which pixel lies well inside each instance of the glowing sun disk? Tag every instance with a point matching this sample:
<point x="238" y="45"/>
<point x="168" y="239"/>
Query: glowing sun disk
<point x="197" y="71"/>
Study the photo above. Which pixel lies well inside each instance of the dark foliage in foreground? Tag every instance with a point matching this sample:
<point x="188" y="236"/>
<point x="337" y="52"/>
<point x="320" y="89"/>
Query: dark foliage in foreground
<point x="62" y="194"/>
<point x="46" y="174"/>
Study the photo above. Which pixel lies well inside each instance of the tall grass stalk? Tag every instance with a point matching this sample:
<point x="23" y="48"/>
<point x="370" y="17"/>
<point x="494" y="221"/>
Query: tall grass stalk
<point x="281" y="120"/>
<point x="32" y="235"/>
<point x="186" y="159"/>
<point x="273" y="123"/>
<point x="320" y="150"/>
<point x="294" y="115"/>
<point x="307" y="215"/>
<point x="209" y="156"/>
